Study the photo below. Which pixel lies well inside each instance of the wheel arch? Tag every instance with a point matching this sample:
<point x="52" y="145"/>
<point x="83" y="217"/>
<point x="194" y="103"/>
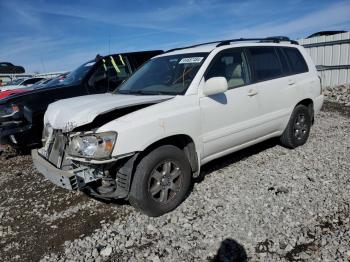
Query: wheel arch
<point x="309" y="103"/>
<point x="182" y="141"/>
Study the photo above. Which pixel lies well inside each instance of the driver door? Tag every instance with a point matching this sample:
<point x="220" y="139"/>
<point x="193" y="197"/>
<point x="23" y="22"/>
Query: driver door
<point x="229" y="119"/>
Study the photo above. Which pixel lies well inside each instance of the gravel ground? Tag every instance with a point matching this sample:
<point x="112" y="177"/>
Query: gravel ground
<point x="338" y="94"/>
<point x="265" y="203"/>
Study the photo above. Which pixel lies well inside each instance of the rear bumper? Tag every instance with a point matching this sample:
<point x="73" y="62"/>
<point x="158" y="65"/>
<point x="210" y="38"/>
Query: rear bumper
<point x="318" y="102"/>
<point x="57" y="176"/>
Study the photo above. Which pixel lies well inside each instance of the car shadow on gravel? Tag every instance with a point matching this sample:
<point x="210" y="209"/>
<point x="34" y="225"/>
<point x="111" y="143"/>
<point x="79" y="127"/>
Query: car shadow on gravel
<point x="230" y="250"/>
<point x="235" y="157"/>
<point x="116" y="202"/>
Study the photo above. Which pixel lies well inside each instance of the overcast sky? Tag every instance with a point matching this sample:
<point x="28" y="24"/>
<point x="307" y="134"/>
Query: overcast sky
<point x="47" y="35"/>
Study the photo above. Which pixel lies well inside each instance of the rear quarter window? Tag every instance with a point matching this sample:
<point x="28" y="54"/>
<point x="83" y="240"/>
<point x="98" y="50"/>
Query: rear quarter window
<point x="296" y="60"/>
<point x="265" y="63"/>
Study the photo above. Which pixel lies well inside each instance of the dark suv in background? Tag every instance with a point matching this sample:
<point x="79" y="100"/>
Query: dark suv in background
<point x="21" y="115"/>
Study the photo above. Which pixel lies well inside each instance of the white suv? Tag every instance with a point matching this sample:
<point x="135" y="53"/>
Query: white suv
<point x="145" y="141"/>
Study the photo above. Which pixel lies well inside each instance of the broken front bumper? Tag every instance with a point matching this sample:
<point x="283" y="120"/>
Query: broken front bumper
<point x="61" y="178"/>
<point x="80" y="178"/>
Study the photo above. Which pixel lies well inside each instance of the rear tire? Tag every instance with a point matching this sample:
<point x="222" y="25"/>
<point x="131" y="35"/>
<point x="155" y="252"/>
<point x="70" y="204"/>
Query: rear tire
<point x="298" y="128"/>
<point x="161" y="182"/>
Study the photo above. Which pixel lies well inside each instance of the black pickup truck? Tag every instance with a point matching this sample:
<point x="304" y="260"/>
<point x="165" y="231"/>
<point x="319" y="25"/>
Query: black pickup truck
<point x="21" y="115"/>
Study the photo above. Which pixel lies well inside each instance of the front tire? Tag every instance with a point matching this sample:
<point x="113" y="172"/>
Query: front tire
<point x="298" y="128"/>
<point x="161" y="181"/>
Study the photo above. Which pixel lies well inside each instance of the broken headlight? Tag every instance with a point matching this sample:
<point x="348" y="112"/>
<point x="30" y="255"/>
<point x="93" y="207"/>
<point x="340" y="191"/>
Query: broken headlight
<point x="96" y="146"/>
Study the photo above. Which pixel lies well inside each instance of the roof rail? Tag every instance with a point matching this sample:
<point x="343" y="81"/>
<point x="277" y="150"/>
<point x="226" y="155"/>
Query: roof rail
<point x="273" y="39"/>
<point x="277" y="39"/>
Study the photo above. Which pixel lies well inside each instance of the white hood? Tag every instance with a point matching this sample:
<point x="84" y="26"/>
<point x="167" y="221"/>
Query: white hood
<point x="68" y="114"/>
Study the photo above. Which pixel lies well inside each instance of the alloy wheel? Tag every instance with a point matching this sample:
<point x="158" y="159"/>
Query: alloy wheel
<point x="165" y="181"/>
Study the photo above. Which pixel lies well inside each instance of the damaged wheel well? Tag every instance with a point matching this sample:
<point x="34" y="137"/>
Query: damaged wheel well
<point x="125" y="168"/>
<point x="184" y="142"/>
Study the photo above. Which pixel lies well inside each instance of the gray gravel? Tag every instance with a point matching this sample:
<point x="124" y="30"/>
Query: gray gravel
<point x="339" y="94"/>
<point x="265" y="203"/>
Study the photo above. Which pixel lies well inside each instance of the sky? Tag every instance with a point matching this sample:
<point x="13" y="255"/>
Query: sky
<point x="46" y="36"/>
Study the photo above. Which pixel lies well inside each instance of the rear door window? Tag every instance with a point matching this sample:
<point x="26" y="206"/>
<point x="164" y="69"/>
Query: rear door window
<point x="284" y="62"/>
<point x="296" y="60"/>
<point x="265" y="63"/>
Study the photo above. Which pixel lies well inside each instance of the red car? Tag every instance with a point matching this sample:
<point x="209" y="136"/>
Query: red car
<point x="7" y="93"/>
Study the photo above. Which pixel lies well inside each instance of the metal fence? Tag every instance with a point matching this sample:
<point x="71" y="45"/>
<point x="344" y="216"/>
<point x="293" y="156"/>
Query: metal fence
<point x="331" y="55"/>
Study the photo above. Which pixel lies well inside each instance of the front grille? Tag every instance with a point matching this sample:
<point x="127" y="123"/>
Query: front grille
<point x="55" y="148"/>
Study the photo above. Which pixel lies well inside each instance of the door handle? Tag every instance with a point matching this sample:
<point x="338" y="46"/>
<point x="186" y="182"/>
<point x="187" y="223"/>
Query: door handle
<point x="252" y="92"/>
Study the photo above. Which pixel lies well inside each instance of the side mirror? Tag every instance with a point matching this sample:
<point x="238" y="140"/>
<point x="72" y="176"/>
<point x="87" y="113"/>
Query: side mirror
<point x="215" y="85"/>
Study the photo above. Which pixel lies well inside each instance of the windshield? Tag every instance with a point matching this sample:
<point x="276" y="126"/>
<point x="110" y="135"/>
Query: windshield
<point x="76" y="76"/>
<point x="169" y="75"/>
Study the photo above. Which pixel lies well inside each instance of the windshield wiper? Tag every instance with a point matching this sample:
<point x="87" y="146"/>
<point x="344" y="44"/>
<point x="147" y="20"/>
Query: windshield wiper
<point x="141" y="92"/>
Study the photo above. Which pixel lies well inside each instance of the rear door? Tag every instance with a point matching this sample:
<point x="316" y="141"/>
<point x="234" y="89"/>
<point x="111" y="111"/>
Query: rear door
<point x="299" y="78"/>
<point x="272" y="77"/>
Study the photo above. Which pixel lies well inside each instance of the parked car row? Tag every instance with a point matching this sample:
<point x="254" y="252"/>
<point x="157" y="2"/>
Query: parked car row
<point x="22" y="85"/>
<point x="143" y="134"/>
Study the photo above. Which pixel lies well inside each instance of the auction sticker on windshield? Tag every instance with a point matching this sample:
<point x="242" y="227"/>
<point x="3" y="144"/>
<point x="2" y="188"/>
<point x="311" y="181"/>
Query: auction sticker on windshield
<point x="191" y="60"/>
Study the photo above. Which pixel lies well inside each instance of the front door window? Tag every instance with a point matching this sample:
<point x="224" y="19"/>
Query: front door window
<point x="232" y="65"/>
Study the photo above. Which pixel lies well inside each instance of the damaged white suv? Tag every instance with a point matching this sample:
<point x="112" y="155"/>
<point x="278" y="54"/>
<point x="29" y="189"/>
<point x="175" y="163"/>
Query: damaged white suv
<point x="182" y="109"/>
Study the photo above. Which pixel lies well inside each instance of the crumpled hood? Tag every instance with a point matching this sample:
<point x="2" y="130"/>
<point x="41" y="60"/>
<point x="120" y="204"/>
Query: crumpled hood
<point x="68" y="114"/>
